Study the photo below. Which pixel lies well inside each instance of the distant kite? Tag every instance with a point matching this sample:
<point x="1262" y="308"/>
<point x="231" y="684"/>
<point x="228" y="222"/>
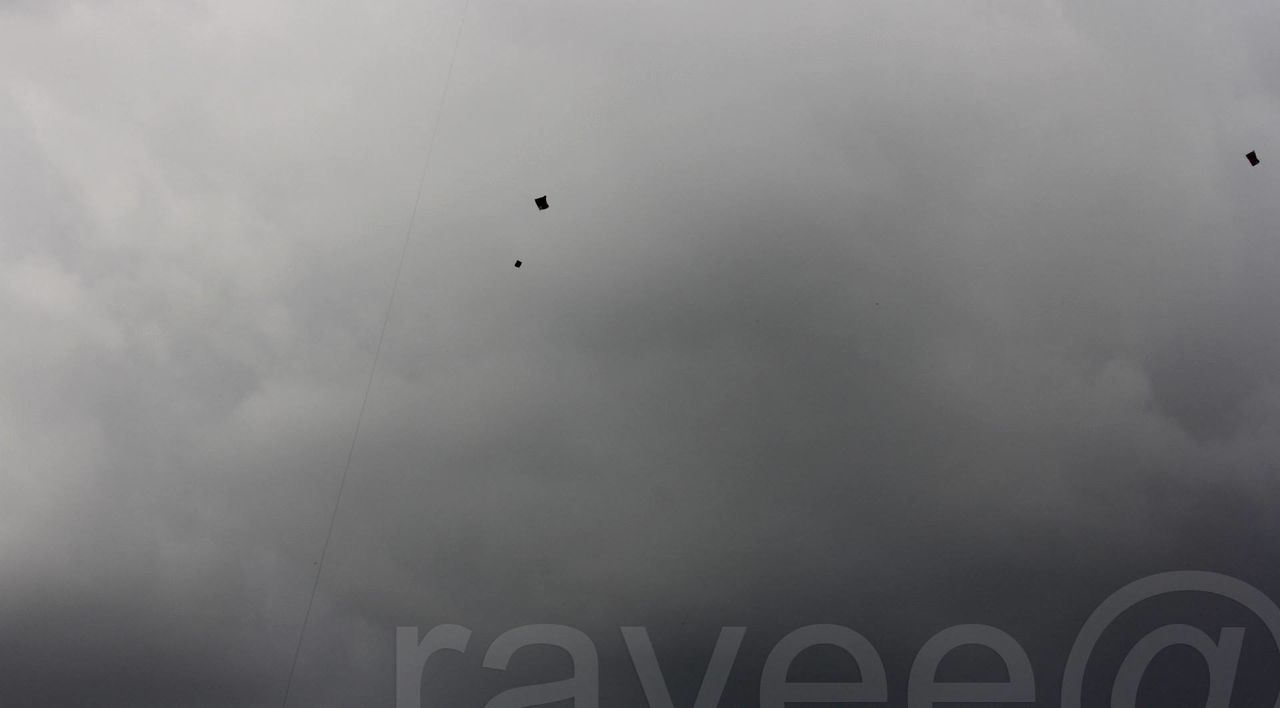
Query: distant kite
<point x="542" y="204"/>
<point x="1251" y="157"/>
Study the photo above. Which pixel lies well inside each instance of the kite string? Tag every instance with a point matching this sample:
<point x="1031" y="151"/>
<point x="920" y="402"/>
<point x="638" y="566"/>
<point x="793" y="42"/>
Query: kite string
<point x="377" y="352"/>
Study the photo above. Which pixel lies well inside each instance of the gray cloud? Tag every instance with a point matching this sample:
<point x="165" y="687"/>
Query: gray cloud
<point x="892" y="315"/>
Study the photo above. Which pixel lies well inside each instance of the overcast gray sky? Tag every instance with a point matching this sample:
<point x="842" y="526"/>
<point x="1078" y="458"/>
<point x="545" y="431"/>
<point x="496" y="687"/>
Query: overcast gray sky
<point x="896" y="315"/>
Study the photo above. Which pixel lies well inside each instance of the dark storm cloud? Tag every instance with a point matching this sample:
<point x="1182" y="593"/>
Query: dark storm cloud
<point x="898" y="316"/>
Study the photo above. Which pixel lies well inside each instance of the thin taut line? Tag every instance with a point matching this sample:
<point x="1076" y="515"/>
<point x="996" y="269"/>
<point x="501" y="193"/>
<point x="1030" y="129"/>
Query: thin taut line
<point x="377" y="352"/>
